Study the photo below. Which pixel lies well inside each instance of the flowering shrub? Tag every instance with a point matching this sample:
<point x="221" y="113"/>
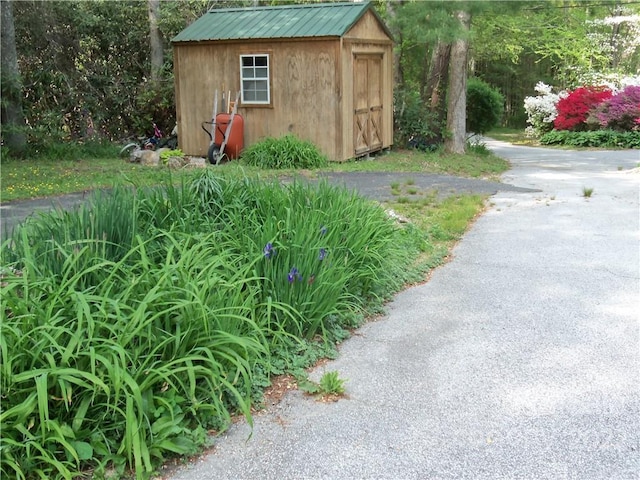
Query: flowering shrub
<point x="541" y="109"/>
<point x="603" y="116"/>
<point x="621" y="111"/>
<point x="573" y="110"/>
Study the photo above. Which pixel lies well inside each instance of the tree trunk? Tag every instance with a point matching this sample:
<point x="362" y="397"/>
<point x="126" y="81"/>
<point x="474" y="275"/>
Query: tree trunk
<point x="157" y="51"/>
<point x="457" y="94"/>
<point x="435" y="87"/>
<point x="13" y="124"/>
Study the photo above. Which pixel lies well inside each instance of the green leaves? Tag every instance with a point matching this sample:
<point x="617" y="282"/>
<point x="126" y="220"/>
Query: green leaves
<point x="595" y="138"/>
<point x="132" y="326"/>
<point x="287" y="151"/>
<point x="330" y="384"/>
<point x="485" y="106"/>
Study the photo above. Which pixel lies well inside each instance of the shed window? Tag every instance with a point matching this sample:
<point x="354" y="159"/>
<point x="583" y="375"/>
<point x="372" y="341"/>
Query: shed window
<point x="254" y="76"/>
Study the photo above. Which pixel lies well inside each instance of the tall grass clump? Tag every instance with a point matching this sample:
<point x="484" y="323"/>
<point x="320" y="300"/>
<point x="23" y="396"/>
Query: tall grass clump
<point x="287" y="151"/>
<point x="133" y="326"/>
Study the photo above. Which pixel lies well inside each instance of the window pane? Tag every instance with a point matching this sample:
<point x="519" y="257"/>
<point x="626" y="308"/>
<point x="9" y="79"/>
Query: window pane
<point x="254" y="76"/>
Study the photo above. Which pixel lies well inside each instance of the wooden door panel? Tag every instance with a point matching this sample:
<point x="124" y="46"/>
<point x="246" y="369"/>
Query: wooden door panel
<point x="361" y="129"/>
<point x="367" y="97"/>
<point x="375" y="129"/>
<point x="360" y="84"/>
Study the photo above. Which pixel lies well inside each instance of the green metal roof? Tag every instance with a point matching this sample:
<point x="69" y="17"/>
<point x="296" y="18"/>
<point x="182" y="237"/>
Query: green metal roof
<point x="285" y="21"/>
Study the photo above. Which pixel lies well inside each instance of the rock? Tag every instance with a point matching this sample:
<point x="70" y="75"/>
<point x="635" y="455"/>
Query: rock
<point x="396" y="217"/>
<point x="134" y="156"/>
<point x="145" y="157"/>
<point x="197" y="162"/>
<point x="150" y="158"/>
<point x="176" y="162"/>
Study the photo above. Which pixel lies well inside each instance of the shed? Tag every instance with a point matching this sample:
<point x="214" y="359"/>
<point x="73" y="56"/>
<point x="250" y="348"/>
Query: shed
<point x="323" y="72"/>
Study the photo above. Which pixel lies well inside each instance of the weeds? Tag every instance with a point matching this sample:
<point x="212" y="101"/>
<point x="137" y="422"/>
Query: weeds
<point x="587" y="192"/>
<point x="330" y="384"/>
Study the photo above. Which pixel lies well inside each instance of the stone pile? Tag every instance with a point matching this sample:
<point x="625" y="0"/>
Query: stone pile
<point x="151" y="158"/>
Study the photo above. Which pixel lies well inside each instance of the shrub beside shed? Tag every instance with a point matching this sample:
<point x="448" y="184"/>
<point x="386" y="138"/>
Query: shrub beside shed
<point x="320" y="71"/>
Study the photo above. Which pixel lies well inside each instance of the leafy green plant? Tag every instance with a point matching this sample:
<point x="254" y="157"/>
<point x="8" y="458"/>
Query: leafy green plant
<point x="132" y="326"/>
<point x="330" y="384"/>
<point x="164" y="155"/>
<point x="587" y="192"/>
<point x="596" y="138"/>
<point x="284" y="152"/>
<point x="414" y="123"/>
<point x="478" y="148"/>
<point x="41" y="145"/>
<point x="485" y="106"/>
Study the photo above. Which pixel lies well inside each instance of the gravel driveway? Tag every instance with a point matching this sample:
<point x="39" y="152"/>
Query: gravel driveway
<point x="519" y="359"/>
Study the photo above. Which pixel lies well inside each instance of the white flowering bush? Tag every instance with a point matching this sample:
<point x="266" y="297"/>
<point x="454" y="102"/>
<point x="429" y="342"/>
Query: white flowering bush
<point x="541" y="109"/>
<point x="616" y="82"/>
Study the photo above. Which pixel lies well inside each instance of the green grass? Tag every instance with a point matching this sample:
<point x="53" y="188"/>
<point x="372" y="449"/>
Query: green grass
<point x="468" y="165"/>
<point x="514" y="136"/>
<point x="24" y="179"/>
<point x="443" y="222"/>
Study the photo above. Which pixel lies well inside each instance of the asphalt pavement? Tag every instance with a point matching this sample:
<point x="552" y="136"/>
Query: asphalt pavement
<point x="518" y="359"/>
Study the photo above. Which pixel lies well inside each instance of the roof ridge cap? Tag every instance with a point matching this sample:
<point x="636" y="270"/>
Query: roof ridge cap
<point x="291" y="6"/>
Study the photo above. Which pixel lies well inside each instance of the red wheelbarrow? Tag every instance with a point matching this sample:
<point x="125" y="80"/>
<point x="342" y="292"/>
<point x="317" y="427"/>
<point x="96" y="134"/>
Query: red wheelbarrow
<point x="226" y="137"/>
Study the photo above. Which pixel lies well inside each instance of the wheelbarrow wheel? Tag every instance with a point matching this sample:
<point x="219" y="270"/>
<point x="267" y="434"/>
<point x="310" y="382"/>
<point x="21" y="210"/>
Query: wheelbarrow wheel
<point x="128" y="148"/>
<point x="214" y="153"/>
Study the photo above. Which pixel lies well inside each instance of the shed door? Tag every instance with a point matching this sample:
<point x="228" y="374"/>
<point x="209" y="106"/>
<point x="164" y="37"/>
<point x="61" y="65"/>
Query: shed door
<point x="367" y="98"/>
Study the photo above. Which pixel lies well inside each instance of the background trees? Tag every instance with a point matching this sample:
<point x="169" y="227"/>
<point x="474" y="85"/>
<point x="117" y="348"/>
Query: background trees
<point x="12" y="115"/>
<point x="103" y="69"/>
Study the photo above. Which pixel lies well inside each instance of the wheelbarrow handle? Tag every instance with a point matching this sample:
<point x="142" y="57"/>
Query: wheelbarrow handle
<point x="202" y="125"/>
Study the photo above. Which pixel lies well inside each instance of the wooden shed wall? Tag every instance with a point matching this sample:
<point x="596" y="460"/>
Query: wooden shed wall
<point x="368" y="28"/>
<point x="305" y="91"/>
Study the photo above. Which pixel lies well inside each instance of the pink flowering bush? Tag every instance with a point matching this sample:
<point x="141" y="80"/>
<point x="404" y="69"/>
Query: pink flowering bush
<point x="622" y="111"/>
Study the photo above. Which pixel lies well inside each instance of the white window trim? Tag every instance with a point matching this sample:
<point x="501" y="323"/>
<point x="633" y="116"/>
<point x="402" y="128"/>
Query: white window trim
<point x="268" y="79"/>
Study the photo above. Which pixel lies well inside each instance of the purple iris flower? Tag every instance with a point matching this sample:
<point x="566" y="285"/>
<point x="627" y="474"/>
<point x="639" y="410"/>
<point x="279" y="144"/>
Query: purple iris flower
<point x="268" y="250"/>
<point x="322" y="254"/>
<point x="323" y="230"/>
<point x="293" y="274"/>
